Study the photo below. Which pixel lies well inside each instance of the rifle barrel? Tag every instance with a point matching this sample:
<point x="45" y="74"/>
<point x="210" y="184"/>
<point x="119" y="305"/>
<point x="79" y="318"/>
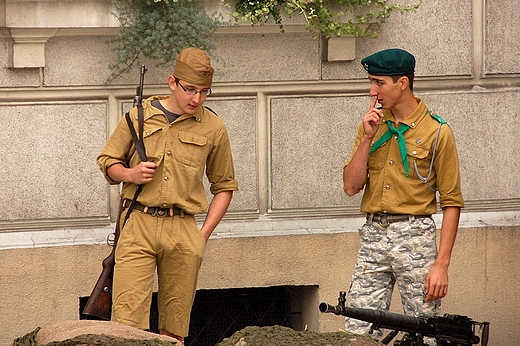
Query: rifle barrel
<point x="138" y="98"/>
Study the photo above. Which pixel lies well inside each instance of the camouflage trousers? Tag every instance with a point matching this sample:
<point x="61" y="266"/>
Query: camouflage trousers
<point x="402" y="253"/>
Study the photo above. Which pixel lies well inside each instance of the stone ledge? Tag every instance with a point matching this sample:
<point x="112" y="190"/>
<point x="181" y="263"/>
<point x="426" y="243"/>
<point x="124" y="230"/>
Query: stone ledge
<point x="58" y="13"/>
<point x="261" y="227"/>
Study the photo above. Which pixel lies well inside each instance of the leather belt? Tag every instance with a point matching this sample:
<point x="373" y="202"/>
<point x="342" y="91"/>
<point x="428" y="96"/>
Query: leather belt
<point x="155" y="211"/>
<point x="385" y="219"/>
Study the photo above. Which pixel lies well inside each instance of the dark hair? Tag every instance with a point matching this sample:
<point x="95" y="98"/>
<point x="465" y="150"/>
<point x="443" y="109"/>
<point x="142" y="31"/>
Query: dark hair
<point x="410" y="77"/>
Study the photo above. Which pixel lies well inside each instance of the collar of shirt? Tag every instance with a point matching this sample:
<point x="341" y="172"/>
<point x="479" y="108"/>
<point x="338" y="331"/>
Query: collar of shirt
<point x="413" y="119"/>
<point x="198" y="115"/>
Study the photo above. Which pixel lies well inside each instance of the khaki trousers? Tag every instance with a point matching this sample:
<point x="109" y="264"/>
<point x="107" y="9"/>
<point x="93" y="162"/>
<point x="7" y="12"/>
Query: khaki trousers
<point x="174" y="247"/>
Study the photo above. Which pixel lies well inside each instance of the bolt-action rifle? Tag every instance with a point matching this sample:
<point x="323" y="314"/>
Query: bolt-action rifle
<point x="99" y="303"/>
<point x="454" y="330"/>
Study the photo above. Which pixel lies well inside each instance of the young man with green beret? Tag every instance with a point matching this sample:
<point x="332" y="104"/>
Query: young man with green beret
<point x="182" y="140"/>
<point x="404" y="155"/>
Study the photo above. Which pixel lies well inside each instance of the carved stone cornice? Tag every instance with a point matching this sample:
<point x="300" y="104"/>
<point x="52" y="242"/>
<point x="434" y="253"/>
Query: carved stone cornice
<point x="29" y="24"/>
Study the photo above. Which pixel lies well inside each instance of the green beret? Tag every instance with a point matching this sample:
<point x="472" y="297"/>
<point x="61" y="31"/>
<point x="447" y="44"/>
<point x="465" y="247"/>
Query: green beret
<point x="389" y="62"/>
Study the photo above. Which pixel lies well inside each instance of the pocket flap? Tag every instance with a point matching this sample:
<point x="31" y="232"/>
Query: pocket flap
<point x="192" y="138"/>
<point x="417" y="152"/>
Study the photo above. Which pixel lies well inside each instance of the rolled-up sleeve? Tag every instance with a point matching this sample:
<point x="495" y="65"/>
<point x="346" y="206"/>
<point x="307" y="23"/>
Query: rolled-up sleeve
<point x="116" y="150"/>
<point x="220" y="169"/>
<point x="447" y="168"/>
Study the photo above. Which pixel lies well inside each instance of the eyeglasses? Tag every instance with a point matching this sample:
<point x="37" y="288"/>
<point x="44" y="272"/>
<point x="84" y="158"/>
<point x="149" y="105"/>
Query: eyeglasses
<point x="193" y="91"/>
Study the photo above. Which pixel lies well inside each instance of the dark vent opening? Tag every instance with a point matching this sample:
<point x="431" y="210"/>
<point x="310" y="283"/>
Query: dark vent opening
<point x="218" y="313"/>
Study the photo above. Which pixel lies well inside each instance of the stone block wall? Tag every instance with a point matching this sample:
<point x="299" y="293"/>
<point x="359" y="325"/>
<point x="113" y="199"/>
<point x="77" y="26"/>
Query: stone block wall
<point x="292" y="118"/>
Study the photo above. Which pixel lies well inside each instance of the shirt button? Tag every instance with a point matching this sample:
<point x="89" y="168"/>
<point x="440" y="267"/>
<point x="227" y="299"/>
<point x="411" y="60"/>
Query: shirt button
<point x="165" y="178"/>
<point x="169" y="153"/>
<point x="414" y="152"/>
<point x="395" y="136"/>
<point x="391" y="162"/>
<point x="387" y="187"/>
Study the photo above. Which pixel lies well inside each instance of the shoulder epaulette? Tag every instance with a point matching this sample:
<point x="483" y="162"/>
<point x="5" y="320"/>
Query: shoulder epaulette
<point x="211" y="110"/>
<point x="438" y="118"/>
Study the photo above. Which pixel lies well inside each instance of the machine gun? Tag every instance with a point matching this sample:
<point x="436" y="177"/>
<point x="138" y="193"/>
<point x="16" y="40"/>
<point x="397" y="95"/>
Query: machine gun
<point x="454" y="330"/>
<point x="99" y="304"/>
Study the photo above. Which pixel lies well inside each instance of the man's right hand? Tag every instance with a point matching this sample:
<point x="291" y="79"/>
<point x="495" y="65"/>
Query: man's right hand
<point x="355" y="173"/>
<point x="372" y="119"/>
<point x="140" y="174"/>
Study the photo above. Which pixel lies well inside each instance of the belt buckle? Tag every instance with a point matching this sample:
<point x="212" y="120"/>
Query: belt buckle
<point x="383" y="220"/>
<point x="160" y="212"/>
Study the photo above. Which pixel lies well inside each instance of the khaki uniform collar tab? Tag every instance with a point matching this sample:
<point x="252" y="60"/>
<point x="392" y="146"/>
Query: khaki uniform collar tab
<point x="150" y="110"/>
<point x="199" y="114"/>
<point x="417" y="115"/>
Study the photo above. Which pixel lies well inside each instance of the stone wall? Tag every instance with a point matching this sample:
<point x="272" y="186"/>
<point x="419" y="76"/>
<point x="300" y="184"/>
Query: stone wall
<point x="292" y="118"/>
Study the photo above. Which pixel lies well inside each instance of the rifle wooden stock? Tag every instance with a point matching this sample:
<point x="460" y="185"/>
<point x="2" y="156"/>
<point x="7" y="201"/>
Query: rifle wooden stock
<point x="99" y="303"/>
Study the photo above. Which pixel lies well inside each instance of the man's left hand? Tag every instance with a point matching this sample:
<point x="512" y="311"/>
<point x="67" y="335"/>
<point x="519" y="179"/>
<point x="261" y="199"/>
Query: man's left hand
<point x="436" y="284"/>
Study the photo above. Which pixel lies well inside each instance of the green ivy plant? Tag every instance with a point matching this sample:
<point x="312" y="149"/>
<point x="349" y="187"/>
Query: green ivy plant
<point x="323" y="16"/>
<point x="158" y="30"/>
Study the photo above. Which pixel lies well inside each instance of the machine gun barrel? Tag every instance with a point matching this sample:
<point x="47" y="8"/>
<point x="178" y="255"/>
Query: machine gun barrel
<point x="379" y="319"/>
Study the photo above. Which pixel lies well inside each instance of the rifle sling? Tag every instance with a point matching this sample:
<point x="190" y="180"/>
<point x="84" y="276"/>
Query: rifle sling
<point x="139" y="146"/>
<point x="138" y="140"/>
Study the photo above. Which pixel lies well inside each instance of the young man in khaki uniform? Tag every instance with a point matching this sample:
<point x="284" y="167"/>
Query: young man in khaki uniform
<point x="403" y="156"/>
<point x="183" y="140"/>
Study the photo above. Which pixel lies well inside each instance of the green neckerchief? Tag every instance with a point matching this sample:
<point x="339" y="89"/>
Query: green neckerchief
<point x="400" y="141"/>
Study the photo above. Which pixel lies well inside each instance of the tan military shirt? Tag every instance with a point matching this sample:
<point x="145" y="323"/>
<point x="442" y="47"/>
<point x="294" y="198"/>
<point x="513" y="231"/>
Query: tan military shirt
<point x="183" y="150"/>
<point x="387" y="189"/>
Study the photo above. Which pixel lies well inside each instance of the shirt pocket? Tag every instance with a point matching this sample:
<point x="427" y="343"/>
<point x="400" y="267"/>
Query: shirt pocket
<point x="151" y="140"/>
<point x="377" y="160"/>
<point x="192" y="149"/>
<point x="420" y="157"/>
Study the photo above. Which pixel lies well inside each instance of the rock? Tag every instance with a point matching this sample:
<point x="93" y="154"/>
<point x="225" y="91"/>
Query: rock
<point x="67" y="330"/>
